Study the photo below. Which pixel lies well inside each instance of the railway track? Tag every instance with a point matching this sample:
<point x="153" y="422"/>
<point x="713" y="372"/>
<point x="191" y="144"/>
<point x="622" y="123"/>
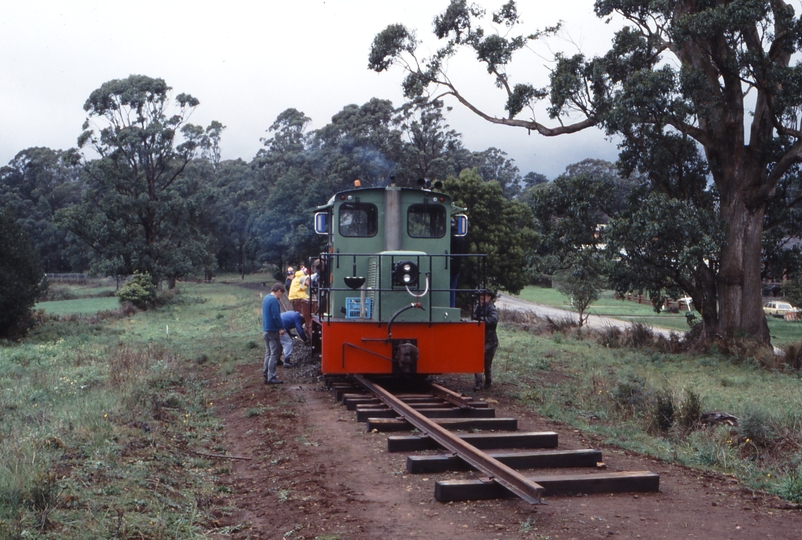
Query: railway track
<point x="472" y="439"/>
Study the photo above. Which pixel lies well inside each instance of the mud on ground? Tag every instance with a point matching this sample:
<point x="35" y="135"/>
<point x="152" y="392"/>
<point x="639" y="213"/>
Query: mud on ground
<point x="310" y="471"/>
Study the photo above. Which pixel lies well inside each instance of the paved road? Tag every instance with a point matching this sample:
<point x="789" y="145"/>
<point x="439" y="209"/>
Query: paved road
<point x="594" y="321"/>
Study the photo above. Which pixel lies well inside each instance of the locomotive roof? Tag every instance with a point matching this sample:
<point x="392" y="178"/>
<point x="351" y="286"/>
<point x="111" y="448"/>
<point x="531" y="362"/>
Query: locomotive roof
<point x="331" y="201"/>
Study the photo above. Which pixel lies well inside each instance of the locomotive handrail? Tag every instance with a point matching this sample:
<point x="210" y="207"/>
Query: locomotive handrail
<point x="333" y="260"/>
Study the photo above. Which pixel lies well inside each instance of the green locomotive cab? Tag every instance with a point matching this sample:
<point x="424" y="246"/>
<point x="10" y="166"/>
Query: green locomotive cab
<point x="390" y="255"/>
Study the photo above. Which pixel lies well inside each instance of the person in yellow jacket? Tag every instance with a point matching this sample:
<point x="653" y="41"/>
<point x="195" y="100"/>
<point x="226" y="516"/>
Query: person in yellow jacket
<point x="299" y="286"/>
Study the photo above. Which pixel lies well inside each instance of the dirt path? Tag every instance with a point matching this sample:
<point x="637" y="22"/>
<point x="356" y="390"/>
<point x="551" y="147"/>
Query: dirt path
<point x="314" y="472"/>
<point x="597" y="322"/>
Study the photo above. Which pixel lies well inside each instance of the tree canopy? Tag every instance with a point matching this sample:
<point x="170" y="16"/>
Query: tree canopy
<point x="720" y="77"/>
<point x="501" y="228"/>
<point x="151" y="195"/>
<point x="141" y="211"/>
<point x="33" y="187"/>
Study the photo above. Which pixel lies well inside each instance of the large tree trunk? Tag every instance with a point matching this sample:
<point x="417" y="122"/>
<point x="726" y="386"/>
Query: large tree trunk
<point x="739" y="286"/>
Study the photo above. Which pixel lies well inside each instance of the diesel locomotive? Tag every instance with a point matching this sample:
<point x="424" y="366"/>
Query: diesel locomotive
<point x="386" y="285"/>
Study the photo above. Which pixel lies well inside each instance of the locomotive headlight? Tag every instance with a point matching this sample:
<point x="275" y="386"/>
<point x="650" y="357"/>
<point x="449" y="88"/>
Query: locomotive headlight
<point x="406" y="273"/>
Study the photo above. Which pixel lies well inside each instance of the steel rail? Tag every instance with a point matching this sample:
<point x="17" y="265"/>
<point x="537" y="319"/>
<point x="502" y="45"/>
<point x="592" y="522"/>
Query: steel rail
<point x="455" y="398"/>
<point x="517" y="483"/>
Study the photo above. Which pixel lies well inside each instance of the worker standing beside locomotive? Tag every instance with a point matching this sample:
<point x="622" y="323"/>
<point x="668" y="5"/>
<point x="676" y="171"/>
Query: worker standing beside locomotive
<point x="272" y="330"/>
<point x="291" y="320"/>
<point x="486" y="311"/>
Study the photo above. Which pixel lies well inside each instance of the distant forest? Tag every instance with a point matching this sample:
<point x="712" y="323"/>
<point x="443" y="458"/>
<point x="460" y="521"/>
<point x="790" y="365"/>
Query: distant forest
<point x="159" y="199"/>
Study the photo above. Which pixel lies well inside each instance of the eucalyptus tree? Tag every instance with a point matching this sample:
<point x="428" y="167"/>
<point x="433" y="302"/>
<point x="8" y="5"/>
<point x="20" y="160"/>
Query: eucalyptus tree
<point x="141" y="210"/>
<point x="286" y="148"/>
<point x="782" y="233"/>
<point x="724" y="75"/>
<point x="288" y="186"/>
<point x="670" y="236"/>
<point x="493" y="164"/>
<point x="573" y="212"/>
<point x="433" y="150"/>
<point x="431" y="147"/>
<point x="241" y="200"/>
<point x="361" y="142"/>
<point x="33" y="187"/>
<point x="501" y="228"/>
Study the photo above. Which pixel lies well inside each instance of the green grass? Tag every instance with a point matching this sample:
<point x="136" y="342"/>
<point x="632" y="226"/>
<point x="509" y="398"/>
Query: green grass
<point x="99" y="420"/>
<point x="79" y="306"/>
<point x="782" y="332"/>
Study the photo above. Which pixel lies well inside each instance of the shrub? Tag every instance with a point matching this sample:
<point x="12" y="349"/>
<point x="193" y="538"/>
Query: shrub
<point x="755" y="425"/>
<point x="611" y="337"/>
<point x="21" y="279"/>
<point x="690" y="410"/>
<point x="561" y="325"/>
<point x="140" y="291"/>
<point x="793" y="356"/>
<point x="664" y="412"/>
<point x="640" y="336"/>
<point x="630" y="394"/>
<point x="790" y="487"/>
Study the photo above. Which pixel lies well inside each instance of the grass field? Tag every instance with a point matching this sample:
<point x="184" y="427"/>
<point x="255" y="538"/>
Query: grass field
<point x="101" y="420"/>
<point x="782" y="332"/>
<point x="623" y="394"/>
<point x="80" y="306"/>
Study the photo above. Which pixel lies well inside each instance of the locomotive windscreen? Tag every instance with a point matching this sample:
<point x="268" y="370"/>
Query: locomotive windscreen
<point x="358" y="219"/>
<point x="426" y="221"/>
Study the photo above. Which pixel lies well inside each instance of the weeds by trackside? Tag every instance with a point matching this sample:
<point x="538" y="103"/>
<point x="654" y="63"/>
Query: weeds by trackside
<point x="101" y="419"/>
<point x="635" y="393"/>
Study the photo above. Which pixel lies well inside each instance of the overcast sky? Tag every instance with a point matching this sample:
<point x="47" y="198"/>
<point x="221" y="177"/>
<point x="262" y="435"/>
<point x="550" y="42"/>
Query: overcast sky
<point x="248" y="61"/>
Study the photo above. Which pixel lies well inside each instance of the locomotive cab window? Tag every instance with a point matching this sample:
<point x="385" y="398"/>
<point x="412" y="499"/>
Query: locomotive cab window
<point x="358" y="219"/>
<point x="426" y="221"/>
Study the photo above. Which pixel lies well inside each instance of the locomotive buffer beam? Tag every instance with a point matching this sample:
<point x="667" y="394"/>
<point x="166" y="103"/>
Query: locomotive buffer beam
<point x="404" y="358"/>
<point x="507" y="477"/>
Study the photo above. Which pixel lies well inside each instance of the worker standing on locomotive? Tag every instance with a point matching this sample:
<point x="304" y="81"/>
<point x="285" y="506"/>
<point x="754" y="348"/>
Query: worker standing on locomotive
<point x="273" y="330"/>
<point x="486" y="311"/>
<point x="298" y="287"/>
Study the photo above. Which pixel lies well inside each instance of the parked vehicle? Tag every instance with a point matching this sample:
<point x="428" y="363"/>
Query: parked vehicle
<point x="778" y="309"/>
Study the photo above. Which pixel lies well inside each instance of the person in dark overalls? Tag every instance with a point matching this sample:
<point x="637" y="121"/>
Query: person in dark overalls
<point x="486" y="311"/>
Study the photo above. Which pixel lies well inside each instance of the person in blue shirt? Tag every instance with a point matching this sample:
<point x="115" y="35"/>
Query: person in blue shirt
<point x="272" y="330"/>
<point x="291" y="320"/>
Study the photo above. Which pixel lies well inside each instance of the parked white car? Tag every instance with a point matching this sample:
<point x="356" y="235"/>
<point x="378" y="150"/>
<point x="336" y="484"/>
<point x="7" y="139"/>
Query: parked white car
<point x="778" y="309"/>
